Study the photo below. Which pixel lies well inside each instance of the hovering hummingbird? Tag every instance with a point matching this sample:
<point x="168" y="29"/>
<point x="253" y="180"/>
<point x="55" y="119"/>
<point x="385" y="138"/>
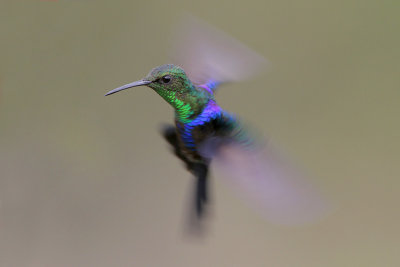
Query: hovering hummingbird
<point x="204" y="132"/>
<point x="199" y="120"/>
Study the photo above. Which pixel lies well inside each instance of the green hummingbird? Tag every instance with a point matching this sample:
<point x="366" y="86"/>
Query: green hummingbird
<point x="199" y="121"/>
<point x="204" y="133"/>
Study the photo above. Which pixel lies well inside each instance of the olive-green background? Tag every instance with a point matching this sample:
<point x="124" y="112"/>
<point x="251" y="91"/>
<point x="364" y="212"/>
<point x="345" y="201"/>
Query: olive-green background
<point x="86" y="180"/>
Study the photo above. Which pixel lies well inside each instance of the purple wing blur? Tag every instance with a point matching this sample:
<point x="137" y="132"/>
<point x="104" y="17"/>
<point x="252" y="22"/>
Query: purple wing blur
<point x="210" y="57"/>
<point x="272" y="185"/>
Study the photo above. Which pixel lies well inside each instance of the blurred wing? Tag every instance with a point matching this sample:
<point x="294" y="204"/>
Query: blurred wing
<point x="263" y="177"/>
<point x="210" y="57"/>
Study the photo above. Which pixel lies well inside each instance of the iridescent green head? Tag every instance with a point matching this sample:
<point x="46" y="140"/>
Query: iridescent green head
<point x="171" y="82"/>
<point x="170" y="78"/>
<point x="165" y="77"/>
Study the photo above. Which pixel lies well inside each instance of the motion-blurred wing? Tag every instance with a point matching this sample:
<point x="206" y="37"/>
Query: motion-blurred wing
<point x="279" y="192"/>
<point x="210" y="57"/>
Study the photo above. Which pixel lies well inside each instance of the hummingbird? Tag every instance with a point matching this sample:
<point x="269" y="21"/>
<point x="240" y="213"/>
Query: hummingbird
<point x="204" y="134"/>
<point x="201" y="125"/>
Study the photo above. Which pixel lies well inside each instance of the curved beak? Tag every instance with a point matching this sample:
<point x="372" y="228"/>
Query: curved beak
<point x="129" y="85"/>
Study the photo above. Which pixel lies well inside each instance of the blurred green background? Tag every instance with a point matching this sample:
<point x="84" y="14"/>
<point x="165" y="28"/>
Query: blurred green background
<point x="87" y="180"/>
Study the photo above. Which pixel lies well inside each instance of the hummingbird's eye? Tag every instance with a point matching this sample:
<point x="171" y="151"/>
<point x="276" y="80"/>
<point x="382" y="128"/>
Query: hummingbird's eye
<point x="166" y="79"/>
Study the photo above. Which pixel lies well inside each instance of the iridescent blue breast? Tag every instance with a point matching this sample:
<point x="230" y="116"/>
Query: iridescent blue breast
<point x="195" y="131"/>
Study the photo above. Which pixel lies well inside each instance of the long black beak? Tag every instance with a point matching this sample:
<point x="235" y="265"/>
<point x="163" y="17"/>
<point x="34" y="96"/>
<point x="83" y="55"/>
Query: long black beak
<point x="129" y="85"/>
